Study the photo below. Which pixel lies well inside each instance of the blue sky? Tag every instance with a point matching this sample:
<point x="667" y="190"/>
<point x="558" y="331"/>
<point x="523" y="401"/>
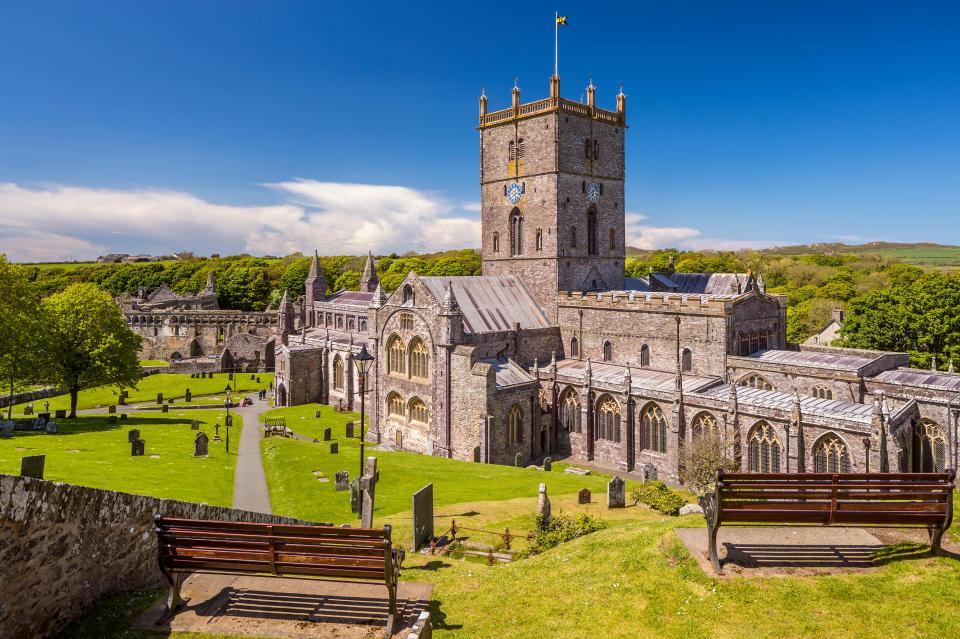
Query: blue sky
<point x="278" y="126"/>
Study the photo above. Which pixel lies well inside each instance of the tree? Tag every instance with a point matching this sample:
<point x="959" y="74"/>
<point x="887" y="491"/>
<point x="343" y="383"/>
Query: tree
<point x="21" y="329"/>
<point x="699" y="461"/>
<point x="89" y="343"/>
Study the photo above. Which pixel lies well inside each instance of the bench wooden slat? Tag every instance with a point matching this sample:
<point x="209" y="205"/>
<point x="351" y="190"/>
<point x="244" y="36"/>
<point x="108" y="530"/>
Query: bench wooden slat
<point x="852" y="495"/>
<point x="281" y="557"/>
<point x="319" y="549"/>
<point x="280" y="529"/>
<point x="185" y="534"/>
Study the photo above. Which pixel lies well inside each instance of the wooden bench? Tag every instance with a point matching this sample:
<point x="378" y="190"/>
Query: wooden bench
<point x="189" y="546"/>
<point x="276" y="426"/>
<point x="890" y="500"/>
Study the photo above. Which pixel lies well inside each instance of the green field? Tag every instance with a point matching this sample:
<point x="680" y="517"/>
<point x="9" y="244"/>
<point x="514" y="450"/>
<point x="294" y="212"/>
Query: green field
<point x="90" y="452"/>
<point x="154" y="362"/>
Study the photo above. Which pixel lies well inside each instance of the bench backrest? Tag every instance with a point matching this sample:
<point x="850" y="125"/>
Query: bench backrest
<point x="276" y="549"/>
<point x="896" y="499"/>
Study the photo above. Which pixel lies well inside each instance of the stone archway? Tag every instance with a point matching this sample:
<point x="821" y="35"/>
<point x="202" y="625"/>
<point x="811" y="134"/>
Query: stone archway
<point x="281" y="396"/>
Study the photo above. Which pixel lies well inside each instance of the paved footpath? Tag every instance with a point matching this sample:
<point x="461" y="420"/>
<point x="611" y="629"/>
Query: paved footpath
<point x="249" y="481"/>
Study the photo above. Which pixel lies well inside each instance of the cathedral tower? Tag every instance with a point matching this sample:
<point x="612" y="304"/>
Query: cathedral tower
<point x="551" y="191"/>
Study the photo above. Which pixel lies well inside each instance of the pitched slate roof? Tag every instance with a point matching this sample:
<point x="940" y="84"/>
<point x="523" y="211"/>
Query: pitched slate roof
<point x="809" y="405"/>
<point x="508" y="372"/>
<point x="917" y="377"/>
<point x="606" y="375"/>
<point x="815" y="359"/>
<point x="352" y="298"/>
<point x="691" y="283"/>
<point x="490" y="302"/>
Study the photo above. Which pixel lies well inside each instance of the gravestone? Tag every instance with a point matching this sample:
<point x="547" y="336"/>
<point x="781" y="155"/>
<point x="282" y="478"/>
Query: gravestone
<point x="61" y="414"/>
<point x="122" y="400"/>
<point x="123" y="417"/>
<point x="518" y="460"/>
<point x="355" y="495"/>
<point x="195" y="425"/>
<point x="583" y="497"/>
<point x="171" y="400"/>
<point x="216" y="432"/>
<point x="28" y="409"/>
<point x="422" y="517"/>
<point x="187" y="396"/>
<point x="326" y="434"/>
<point x="133" y="434"/>
<point x="253" y="377"/>
<point x="210" y="375"/>
<point x="547" y="464"/>
<point x="228" y="420"/>
<point x="258" y="379"/>
<point x="159" y="398"/>
<point x="349" y="429"/>
<point x="543" y="506"/>
<point x="230" y="376"/>
<point x="165" y="408"/>
<point x="316" y="415"/>
<point x="32" y="466"/>
<point x="343" y="480"/>
<point x="43" y="418"/>
<point x="6" y="430"/>
<point x="476" y="454"/>
<point x="136" y="448"/>
<point x="368" y="486"/>
<point x="616" y="493"/>
<point x="112" y="408"/>
<point x="201" y="445"/>
<point x="111" y="419"/>
<point x="334" y="448"/>
<point x="203" y="374"/>
<point x="51" y="428"/>
<point x="649" y="472"/>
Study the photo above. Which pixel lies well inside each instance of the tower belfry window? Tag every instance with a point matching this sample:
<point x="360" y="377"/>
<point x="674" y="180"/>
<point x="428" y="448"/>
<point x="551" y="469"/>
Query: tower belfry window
<point x="511" y="151"/>
<point x="520" y="149"/>
<point x="516" y="232"/>
<point x="592" y="231"/>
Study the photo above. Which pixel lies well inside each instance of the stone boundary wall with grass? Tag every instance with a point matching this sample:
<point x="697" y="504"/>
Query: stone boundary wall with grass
<point x="29" y="396"/>
<point x="62" y="547"/>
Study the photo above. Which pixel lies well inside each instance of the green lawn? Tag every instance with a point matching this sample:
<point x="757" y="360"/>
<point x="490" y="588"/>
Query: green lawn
<point x="172" y="385"/>
<point x="295" y="490"/>
<point x="90" y="452"/>
<point x="154" y="362"/>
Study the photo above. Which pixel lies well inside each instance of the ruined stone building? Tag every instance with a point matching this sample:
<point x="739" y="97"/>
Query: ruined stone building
<point x="553" y="352"/>
<point x="193" y="333"/>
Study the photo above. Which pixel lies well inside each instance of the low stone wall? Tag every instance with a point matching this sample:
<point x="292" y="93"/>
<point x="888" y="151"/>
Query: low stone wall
<point x="28" y="396"/>
<point x="62" y="547"/>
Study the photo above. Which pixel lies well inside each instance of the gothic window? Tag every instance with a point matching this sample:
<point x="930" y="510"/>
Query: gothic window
<point x="704" y="425"/>
<point x="608" y="419"/>
<point x="573" y="237"/>
<point x="686" y="360"/>
<point x="539" y="239"/>
<point x="340" y="322"/>
<point x="588" y="148"/>
<point x="754" y="342"/>
<point x="653" y="429"/>
<point x="516" y="232"/>
<point x="511" y="151"/>
<point x="755" y="381"/>
<point x="930" y="448"/>
<point x="830" y="455"/>
<point x="409" y="298"/>
<point x="644" y="356"/>
<point x="418" y="410"/>
<point x="496" y="242"/>
<point x="406" y="321"/>
<point x="822" y="392"/>
<point x="338" y="372"/>
<point x="570" y="411"/>
<point x="520" y="149"/>
<point x="394" y="405"/>
<point x="607" y="351"/>
<point x="514" y="425"/>
<point x="351" y="326"/>
<point x="363" y="325"/>
<point x="592" y="231"/>
<point x="613" y="239"/>
<point x="596" y="149"/>
<point x="574" y="347"/>
<point x="764" y="449"/>
<point x="396" y="354"/>
<point x="419" y="359"/>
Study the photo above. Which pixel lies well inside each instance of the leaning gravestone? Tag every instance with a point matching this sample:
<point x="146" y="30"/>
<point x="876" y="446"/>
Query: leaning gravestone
<point x="201" y="445"/>
<point x="159" y="398"/>
<point x="343" y="480"/>
<point x="195" y="425"/>
<point x="422" y="517"/>
<point x="32" y="466"/>
<point x="334" y="448"/>
<point x="355" y="495"/>
<point x="583" y="497"/>
<point x="61" y="414"/>
<point x="137" y="447"/>
<point x="518" y="460"/>
<point x="547" y="464"/>
<point x="6" y="430"/>
<point x="327" y="434"/>
<point x="616" y="493"/>
<point x="368" y="486"/>
<point x="112" y="408"/>
<point x="133" y="435"/>
<point x="543" y="506"/>
<point x="349" y="429"/>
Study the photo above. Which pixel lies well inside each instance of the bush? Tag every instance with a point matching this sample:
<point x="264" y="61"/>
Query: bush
<point x="560" y="529"/>
<point x="658" y="496"/>
<point x="699" y="461"/>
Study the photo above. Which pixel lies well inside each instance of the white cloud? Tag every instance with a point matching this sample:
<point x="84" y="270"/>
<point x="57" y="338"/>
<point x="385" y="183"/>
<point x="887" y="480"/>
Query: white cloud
<point x="643" y="235"/>
<point x="471" y="206"/>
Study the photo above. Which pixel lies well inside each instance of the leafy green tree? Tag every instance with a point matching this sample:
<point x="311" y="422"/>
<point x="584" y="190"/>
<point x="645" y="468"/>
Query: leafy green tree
<point x="21" y="329"/>
<point x="89" y="342"/>
<point x="348" y="281"/>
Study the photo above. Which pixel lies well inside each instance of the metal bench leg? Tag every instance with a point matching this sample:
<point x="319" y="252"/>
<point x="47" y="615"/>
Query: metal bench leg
<point x="392" y="615"/>
<point x="714" y="558"/>
<point x="174" y="600"/>
<point x="936" y="536"/>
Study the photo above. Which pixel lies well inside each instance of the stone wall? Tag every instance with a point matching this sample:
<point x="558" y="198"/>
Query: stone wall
<point x="28" y="396"/>
<point x="62" y="547"/>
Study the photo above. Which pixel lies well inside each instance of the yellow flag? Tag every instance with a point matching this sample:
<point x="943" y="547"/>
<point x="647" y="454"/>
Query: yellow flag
<point x="561" y="19"/>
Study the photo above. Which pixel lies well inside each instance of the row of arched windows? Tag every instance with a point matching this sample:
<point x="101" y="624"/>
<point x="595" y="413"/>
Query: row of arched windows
<point x="415" y="410"/>
<point x="515" y="150"/>
<point x="755" y="341"/>
<point x="410" y="361"/>
<point x="516" y="235"/>
<point x="686" y="355"/>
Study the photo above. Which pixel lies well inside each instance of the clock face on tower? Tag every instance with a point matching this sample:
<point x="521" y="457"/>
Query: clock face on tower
<point x="514" y="191"/>
<point x="593" y="192"/>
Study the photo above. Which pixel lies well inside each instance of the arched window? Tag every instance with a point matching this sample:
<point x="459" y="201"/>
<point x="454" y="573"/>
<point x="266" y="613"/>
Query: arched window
<point x="588" y="148"/>
<point x="516" y="232"/>
<point x="496" y="242"/>
<point x="613" y="239"/>
<point x="570" y="411"/>
<point x="520" y="149"/>
<point x="409" y="297"/>
<point x="704" y="425"/>
<point x="395" y="405"/>
<point x="608" y="419"/>
<point x="644" y="356"/>
<point x="419" y="359"/>
<point x="686" y="360"/>
<point x="822" y="392"/>
<point x="764" y="449"/>
<point x="418" y="411"/>
<point x="596" y="149"/>
<point x="755" y="381"/>
<point x="592" y="231"/>
<point x="573" y="237"/>
<point x="511" y="151"/>
<point x="539" y="239"/>
<point x="929" y="447"/>
<point x="406" y="321"/>
<point x="574" y="347"/>
<point x="514" y="425"/>
<point x="396" y="356"/>
<point x="607" y="351"/>
<point x="830" y="455"/>
<point x="653" y="427"/>
<point x="338" y="372"/>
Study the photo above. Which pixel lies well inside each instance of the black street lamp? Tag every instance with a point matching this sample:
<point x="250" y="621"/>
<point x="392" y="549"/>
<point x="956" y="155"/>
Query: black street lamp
<point x="363" y="360"/>
<point x="226" y="403"/>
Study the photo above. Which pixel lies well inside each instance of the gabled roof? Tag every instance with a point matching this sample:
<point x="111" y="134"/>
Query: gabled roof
<point x="816" y="359"/>
<point x="917" y="377"/>
<point x="490" y="303"/>
<point x="809" y="405"/>
<point x="352" y="298"/>
<point x="692" y="283"/>
<point x="607" y="375"/>
<point x="508" y="372"/>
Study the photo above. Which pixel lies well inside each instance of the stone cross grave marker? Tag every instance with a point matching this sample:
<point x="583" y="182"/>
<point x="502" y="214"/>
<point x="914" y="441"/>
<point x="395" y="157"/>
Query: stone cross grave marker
<point x="32" y="466"/>
<point x="159" y="398"/>
<point x="327" y="434"/>
<point x="6" y="430"/>
<point x="355" y="495"/>
<point x="616" y="493"/>
<point x="137" y="447"/>
<point x="518" y="460"/>
<point x="349" y="429"/>
<point x="343" y="480"/>
<point x="543" y="504"/>
<point x="133" y="434"/>
<point x="368" y="485"/>
<point x="547" y="464"/>
<point x="583" y="497"/>
<point x="195" y="424"/>
<point x="422" y="517"/>
<point x="216" y="432"/>
<point x="334" y="448"/>
<point x="200" y="445"/>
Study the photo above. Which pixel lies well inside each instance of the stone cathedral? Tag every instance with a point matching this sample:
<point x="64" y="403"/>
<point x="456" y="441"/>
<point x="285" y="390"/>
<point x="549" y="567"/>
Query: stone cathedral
<point x="553" y="352"/>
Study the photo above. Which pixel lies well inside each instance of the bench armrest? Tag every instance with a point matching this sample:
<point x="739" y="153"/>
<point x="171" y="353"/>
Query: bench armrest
<point x="711" y="507"/>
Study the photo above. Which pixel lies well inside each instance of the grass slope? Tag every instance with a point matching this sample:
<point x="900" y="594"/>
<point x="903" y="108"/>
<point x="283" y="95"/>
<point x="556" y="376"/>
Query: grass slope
<point x="90" y="452"/>
<point x="295" y="491"/>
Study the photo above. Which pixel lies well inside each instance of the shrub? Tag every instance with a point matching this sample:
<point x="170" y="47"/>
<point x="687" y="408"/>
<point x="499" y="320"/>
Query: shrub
<point x="658" y="496"/>
<point x="699" y="461"/>
<point x="560" y="529"/>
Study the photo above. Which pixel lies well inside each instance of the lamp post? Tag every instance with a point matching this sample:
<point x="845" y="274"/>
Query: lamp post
<point x="226" y="403"/>
<point x="363" y="360"/>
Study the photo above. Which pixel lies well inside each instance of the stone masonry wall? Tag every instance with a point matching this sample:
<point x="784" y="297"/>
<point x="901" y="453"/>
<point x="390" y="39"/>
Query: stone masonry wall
<point x="62" y="547"/>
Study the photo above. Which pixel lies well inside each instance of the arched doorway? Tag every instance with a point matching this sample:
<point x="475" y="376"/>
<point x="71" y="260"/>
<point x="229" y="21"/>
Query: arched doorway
<point x="281" y="399"/>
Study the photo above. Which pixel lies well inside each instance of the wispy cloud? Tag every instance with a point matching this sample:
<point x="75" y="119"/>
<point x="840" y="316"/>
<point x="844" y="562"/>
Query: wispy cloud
<point x="644" y="235"/>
